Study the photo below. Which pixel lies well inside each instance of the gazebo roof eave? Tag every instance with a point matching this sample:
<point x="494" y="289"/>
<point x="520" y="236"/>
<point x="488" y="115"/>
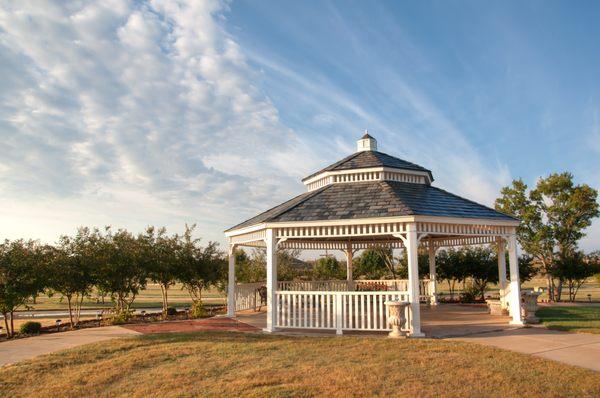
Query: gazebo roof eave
<point x="373" y="220"/>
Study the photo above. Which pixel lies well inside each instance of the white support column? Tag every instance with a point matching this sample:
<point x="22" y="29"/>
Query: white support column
<point x="412" y="244"/>
<point x="514" y="298"/>
<point x="231" y="283"/>
<point x="271" y="280"/>
<point x="502" y="271"/>
<point x="432" y="275"/>
<point x="349" y="278"/>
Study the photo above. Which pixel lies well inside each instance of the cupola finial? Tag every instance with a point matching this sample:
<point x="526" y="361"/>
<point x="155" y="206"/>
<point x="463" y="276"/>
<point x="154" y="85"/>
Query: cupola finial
<point x="366" y="143"/>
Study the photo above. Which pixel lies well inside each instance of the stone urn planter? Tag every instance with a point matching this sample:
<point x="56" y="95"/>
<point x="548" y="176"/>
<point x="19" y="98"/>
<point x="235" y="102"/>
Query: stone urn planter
<point x="529" y="306"/>
<point x="396" y="318"/>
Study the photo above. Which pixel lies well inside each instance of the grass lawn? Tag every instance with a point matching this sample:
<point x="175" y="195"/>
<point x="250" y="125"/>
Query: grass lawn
<point x="573" y="319"/>
<point x="148" y="298"/>
<point x="238" y="364"/>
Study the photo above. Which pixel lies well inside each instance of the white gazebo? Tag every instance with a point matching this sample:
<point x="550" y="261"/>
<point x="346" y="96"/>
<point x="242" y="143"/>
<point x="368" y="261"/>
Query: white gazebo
<point x="368" y="199"/>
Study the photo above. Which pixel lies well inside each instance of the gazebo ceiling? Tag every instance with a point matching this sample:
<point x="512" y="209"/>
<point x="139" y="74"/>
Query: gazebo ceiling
<point x="368" y="185"/>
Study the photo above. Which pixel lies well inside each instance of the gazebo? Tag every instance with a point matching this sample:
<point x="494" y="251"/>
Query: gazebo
<point x="368" y="199"/>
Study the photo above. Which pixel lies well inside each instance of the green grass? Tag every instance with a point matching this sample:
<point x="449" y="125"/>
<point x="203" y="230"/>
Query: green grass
<point x="148" y="298"/>
<point x="572" y="319"/>
<point x="252" y="365"/>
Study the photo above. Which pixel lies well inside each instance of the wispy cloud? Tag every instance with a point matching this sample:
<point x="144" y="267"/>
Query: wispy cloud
<point x="133" y="113"/>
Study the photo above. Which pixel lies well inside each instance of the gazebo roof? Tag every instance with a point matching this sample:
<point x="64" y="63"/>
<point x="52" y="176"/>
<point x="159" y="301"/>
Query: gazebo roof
<point x="372" y="184"/>
<point x="368" y="159"/>
<point x="374" y="199"/>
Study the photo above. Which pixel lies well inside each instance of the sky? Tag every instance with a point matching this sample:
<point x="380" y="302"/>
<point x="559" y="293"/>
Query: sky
<point x="208" y="112"/>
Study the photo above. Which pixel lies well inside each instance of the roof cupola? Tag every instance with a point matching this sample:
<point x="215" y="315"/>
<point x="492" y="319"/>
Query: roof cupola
<point x="366" y="143"/>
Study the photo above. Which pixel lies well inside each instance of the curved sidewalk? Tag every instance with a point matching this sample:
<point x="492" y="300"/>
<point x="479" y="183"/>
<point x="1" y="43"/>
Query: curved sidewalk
<point x="17" y="350"/>
<point x="578" y="349"/>
<point x="13" y="351"/>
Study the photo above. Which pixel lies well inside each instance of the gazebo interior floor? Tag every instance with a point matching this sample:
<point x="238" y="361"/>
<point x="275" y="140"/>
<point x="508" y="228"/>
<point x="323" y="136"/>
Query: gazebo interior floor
<point x="441" y="321"/>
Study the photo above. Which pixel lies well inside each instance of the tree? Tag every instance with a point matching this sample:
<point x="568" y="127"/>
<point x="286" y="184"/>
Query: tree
<point x="527" y="268"/>
<point x="371" y="264"/>
<point x="450" y="267"/>
<point x="159" y="257"/>
<point x="553" y="217"/>
<point x="73" y="266"/>
<point x="326" y="268"/>
<point x="287" y="264"/>
<point x="22" y="271"/>
<point x="575" y="268"/>
<point x="120" y="272"/>
<point x="200" y="268"/>
<point x="253" y="269"/>
<point x="480" y="264"/>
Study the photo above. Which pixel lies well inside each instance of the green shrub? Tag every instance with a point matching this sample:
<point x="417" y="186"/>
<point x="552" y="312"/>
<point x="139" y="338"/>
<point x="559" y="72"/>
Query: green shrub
<point x="121" y="318"/>
<point x="171" y="311"/>
<point x="470" y="294"/>
<point x="30" y="328"/>
<point x="197" y="310"/>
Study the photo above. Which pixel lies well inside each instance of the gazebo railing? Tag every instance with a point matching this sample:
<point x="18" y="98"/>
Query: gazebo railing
<point x="321" y="286"/>
<point x="246" y="295"/>
<point x="339" y="311"/>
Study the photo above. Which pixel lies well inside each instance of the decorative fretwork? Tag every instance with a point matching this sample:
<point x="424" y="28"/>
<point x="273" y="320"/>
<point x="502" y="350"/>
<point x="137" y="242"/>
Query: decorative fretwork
<point x="459" y="241"/>
<point x="249" y="238"/>
<point x="361" y="236"/>
<point x="432" y="228"/>
<point x="361" y="176"/>
<point x="304" y="245"/>
<point x="341" y="230"/>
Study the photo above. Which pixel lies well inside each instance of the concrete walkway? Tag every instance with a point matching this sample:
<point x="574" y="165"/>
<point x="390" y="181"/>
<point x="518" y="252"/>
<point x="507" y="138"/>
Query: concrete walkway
<point x="577" y="349"/>
<point x="21" y="349"/>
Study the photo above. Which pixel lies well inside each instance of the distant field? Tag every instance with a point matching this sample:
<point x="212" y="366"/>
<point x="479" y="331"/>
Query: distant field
<point x="148" y="298"/>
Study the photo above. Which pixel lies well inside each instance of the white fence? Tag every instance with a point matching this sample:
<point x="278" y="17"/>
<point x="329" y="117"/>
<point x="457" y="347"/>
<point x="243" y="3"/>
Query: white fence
<point x="246" y="296"/>
<point x="320" y="286"/>
<point x="336" y="310"/>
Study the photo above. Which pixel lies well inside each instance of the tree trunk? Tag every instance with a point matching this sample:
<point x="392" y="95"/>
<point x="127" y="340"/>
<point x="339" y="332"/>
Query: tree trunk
<point x="559" y="290"/>
<point x="69" y="297"/>
<point x="550" y="287"/>
<point x="12" y="324"/>
<point x="6" y="324"/>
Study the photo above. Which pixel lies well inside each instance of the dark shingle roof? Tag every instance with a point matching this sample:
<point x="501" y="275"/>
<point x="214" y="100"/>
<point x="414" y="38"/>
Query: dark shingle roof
<point x="374" y="199"/>
<point x="365" y="159"/>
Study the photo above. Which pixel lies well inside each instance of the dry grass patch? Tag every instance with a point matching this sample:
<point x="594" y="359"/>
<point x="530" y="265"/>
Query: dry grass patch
<point x="236" y="364"/>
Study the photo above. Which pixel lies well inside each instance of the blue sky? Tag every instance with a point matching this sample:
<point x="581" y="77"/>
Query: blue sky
<point x="165" y="112"/>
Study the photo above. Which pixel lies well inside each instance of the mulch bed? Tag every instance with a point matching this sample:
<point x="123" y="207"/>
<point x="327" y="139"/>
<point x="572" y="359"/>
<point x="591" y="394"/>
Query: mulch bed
<point x="195" y="325"/>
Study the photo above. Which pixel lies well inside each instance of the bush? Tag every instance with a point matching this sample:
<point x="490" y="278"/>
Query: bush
<point x="171" y="311"/>
<point x="121" y="317"/>
<point x="197" y="310"/>
<point x="30" y="328"/>
<point x="470" y="294"/>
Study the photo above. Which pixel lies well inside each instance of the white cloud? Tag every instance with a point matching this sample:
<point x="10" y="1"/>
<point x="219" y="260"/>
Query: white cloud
<point x="132" y="114"/>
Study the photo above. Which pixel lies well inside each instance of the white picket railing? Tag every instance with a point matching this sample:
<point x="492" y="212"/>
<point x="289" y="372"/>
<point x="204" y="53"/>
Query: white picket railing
<point x="246" y="296"/>
<point x="313" y="286"/>
<point x="336" y="310"/>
